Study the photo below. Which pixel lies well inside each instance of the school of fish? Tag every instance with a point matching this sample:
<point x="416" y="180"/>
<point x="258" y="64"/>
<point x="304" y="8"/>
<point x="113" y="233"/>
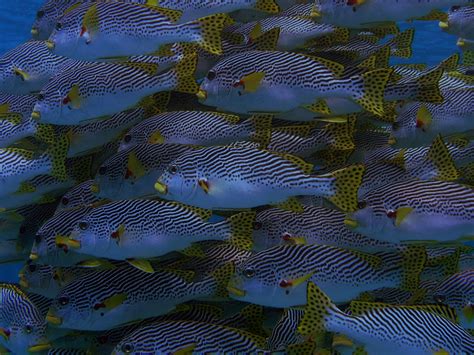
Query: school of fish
<point x="237" y="177"/>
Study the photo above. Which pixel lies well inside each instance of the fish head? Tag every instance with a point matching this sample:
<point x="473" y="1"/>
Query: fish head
<point x="35" y="276"/>
<point x="133" y="138"/>
<point x="70" y="307"/>
<point x="458" y="19"/>
<point x="269" y="230"/>
<point x="456" y="291"/>
<point x="46" y="18"/>
<point x="10" y="78"/>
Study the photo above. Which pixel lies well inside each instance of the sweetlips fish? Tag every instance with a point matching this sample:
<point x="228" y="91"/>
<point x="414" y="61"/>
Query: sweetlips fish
<point x="379" y="328"/>
<point x="276" y="277"/>
<point x="460" y="22"/>
<point x="416" y="210"/>
<point x="132" y="172"/>
<point x="80" y="195"/>
<point x="361" y="14"/>
<point x="98" y="30"/>
<point x="22" y="327"/>
<point x="230" y="177"/>
<point x="144" y="229"/>
<point x="98" y="90"/>
<point x="190" y="336"/>
<point x="197" y="128"/>
<point x="261" y="82"/>
<point x="284" y="333"/>
<point x="106" y="299"/>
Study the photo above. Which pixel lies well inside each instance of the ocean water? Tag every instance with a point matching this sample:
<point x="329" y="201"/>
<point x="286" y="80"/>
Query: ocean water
<point x="16" y="17"/>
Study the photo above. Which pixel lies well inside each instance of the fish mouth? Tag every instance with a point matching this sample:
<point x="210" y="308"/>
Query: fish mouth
<point x="23" y="282"/>
<point x="95" y="188"/>
<point x="68" y="241"/>
<point x="34" y="31"/>
<point x="461" y="42"/>
<point x="39" y="347"/>
<point x="33" y="256"/>
<point x="53" y="319"/>
<point x="351" y="223"/>
<point x="201" y="94"/>
<point x="161" y="187"/>
<point x="36" y="115"/>
<point x="50" y="44"/>
<point x="443" y="25"/>
<point x="236" y="291"/>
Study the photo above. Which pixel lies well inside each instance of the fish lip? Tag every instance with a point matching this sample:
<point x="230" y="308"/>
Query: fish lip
<point x="443" y="25"/>
<point x="161" y="187"/>
<point x="50" y="44"/>
<point x="53" y="319"/>
<point x="33" y="256"/>
<point x="69" y="241"/>
<point x="95" y="188"/>
<point x="39" y="347"/>
<point x="350" y="223"/>
<point x="236" y="291"/>
<point x="23" y="282"/>
<point x="36" y="115"/>
<point x="201" y="94"/>
<point x="34" y="31"/>
<point x="461" y="42"/>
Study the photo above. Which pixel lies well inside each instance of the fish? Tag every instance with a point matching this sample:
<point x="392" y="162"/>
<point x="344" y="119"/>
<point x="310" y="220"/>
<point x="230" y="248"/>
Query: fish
<point x="194" y="10"/>
<point x="276" y="277"/>
<point x="190" y="336"/>
<point x="457" y="292"/>
<point x="142" y="229"/>
<point x="110" y="298"/>
<point x="459" y="22"/>
<point x="404" y="211"/>
<point x="198" y="128"/>
<point x="250" y="82"/>
<point x="240" y="177"/>
<point x="132" y="173"/>
<point x="284" y="332"/>
<point x="22" y="326"/>
<point x="98" y="90"/>
<point x="98" y="30"/>
<point x="80" y="195"/>
<point x="371" y="325"/>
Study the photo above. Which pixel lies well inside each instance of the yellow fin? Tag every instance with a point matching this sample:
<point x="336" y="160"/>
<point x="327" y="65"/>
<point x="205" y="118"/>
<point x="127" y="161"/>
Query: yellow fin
<point x="291" y="204"/>
<point x="172" y="15"/>
<point x="442" y="159"/>
<point x="115" y="301"/>
<point x="434" y="15"/>
<point x="5" y="107"/>
<point x="318" y="307"/>
<point x="24" y="75"/>
<point x="97" y="263"/>
<point x="255" y="32"/>
<point x="194" y="250"/>
<point x="134" y="166"/>
<point x="423" y="117"/>
<point x="232" y="119"/>
<point x="320" y="106"/>
<point x="211" y="29"/>
<point x="269" y="6"/>
<point x="74" y="97"/>
<point x="347" y="182"/>
<point x="251" y="82"/>
<point x="402" y="214"/>
<point x="141" y="264"/>
<point x="306" y="167"/>
<point x="90" y="21"/>
<point x="375" y="82"/>
<point x="398" y="159"/>
<point x="268" y="41"/>
<point x="187" y="350"/>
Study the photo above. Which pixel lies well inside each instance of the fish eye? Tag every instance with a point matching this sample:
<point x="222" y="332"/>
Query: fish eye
<point x="127" y="348"/>
<point x="38" y="238"/>
<point x="59" y="26"/>
<point x="40" y="14"/>
<point x="391" y="214"/>
<point x="127" y="138"/>
<point x="249" y="273"/>
<point x="63" y="300"/>
<point x="65" y="201"/>
<point x="439" y="298"/>
<point x="455" y="8"/>
<point x="83" y="225"/>
<point x="173" y="169"/>
<point x="32" y="267"/>
<point x="361" y="204"/>
<point x="102" y="170"/>
<point x="40" y="97"/>
<point x="211" y="75"/>
<point x="257" y="226"/>
<point x="28" y="328"/>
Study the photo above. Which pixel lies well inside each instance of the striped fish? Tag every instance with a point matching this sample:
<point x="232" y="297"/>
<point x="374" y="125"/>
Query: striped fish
<point x="459" y="22"/>
<point x="144" y="229"/>
<point x="276" y="277"/>
<point x="457" y="291"/>
<point x="114" y="29"/>
<point x="98" y="90"/>
<point x="132" y="172"/>
<point x="240" y="177"/>
<point x="79" y="196"/>
<point x="255" y="81"/>
<point x="106" y="299"/>
<point x="22" y="326"/>
<point x="382" y="329"/>
<point x="315" y="225"/>
<point x="416" y="210"/>
<point x="284" y="332"/>
<point x="46" y="251"/>
<point x="190" y="336"/>
<point x="197" y="128"/>
<point x="192" y="10"/>
<point x="418" y="124"/>
<point x="360" y="14"/>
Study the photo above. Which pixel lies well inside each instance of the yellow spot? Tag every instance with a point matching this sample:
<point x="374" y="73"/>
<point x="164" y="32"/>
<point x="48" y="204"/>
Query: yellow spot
<point x="53" y="319"/>
<point x="443" y="25"/>
<point x="33" y="256"/>
<point x="50" y="44"/>
<point x="351" y="223"/>
<point x="235" y="291"/>
<point x="161" y="188"/>
<point x="36" y="115"/>
<point x="39" y="347"/>
<point x="34" y="31"/>
<point x="201" y="94"/>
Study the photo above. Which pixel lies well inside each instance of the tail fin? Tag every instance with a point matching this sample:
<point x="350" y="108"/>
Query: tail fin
<point x="58" y="153"/>
<point x="254" y="318"/>
<point x="155" y="104"/>
<point x="221" y="277"/>
<point x="268" y="41"/>
<point x="269" y="6"/>
<point x="442" y="159"/>
<point x="262" y="125"/>
<point x="341" y="135"/>
<point x="428" y="87"/>
<point x="375" y="82"/>
<point x="241" y="226"/>
<point x="468" y="58"/>
<point x="451" y="63"/>
<point x="318" y="308"/>
<point x="185" y="75"/>
<point x="347" y="182"/>
<point x="401" y="44"/>
<point x="211" y="29"/>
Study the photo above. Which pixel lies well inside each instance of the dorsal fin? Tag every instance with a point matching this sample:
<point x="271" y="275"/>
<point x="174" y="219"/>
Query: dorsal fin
<point x="442" y="159"/>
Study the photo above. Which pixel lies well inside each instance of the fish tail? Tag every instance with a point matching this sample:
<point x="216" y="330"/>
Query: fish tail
<point x="346" y="185"/>
<point x="428" y="87"/>
<point x="58" y="153"/>
<point x="269" y="6"/>
<point x="441" y="158"/>
<point x="220" y="278"/>
<point x="401" y="44"/>
<point x="341" y="135"/>
<point x="374" y="83"/>
<point x="241" y="229"/>
<point x="261" y="126"/>
<point x="317" y="311"/>
<point x="184" y="71"/>
<point x="413" y="263"/>
<point x="211" y="32"/>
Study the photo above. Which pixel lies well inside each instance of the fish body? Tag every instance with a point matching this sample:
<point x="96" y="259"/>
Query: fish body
<point x="416" y="210"/>
<point x="114" y="29"/>
<point x="379" y="328"/>
<point x="15" y="119"/>
<point x="260" y="81"/>
<point x="131" y="173"/>
<point x="240" y="177"/>
<point x="146" y="229"/>
<point x="460" y="22"/>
